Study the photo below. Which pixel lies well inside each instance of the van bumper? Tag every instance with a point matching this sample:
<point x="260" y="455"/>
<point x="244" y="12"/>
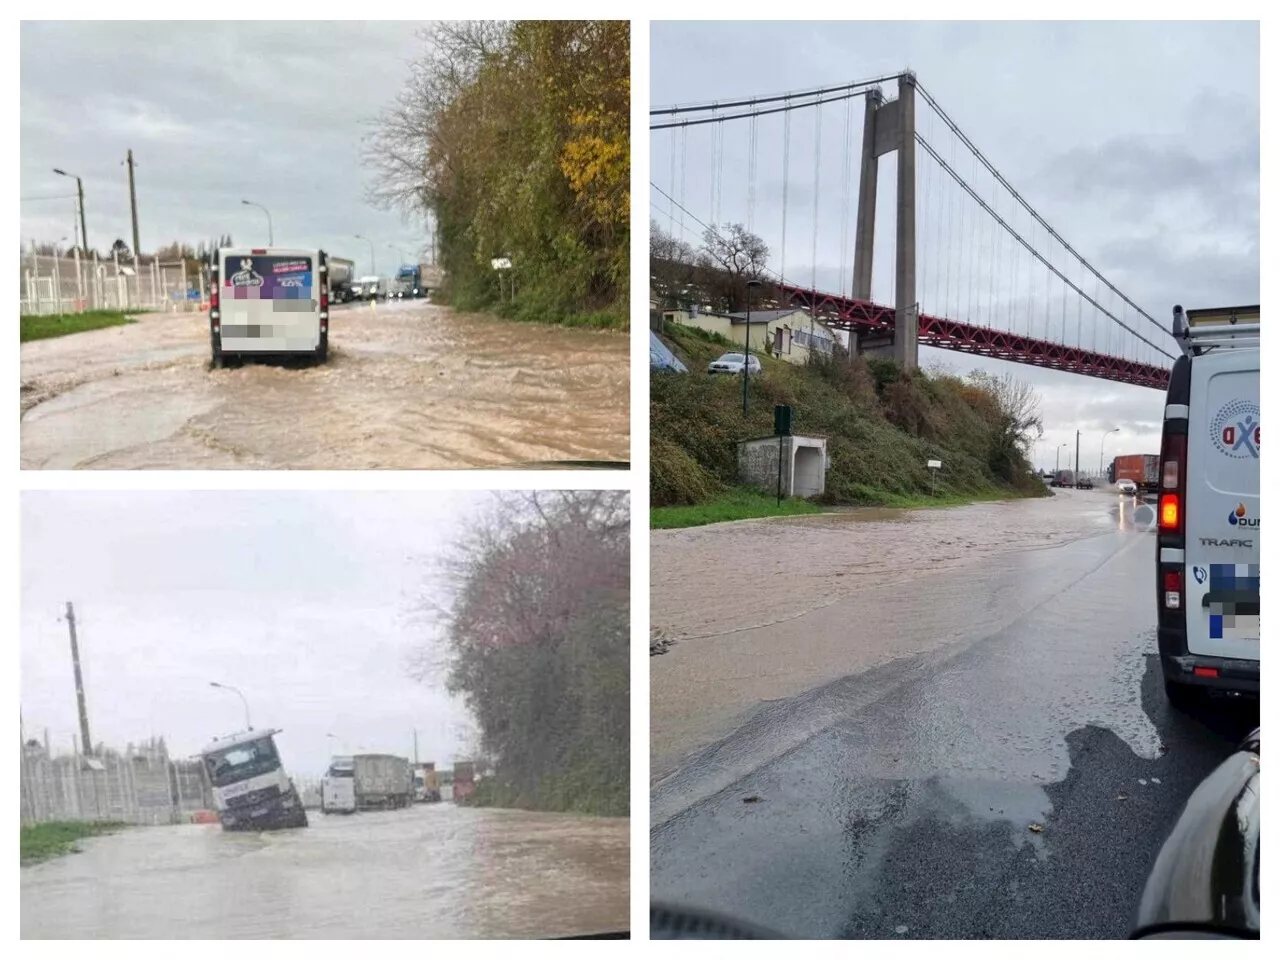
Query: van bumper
<point x="1179" y="666"/>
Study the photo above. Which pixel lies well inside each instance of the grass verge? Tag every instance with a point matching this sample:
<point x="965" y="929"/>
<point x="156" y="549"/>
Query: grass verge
<point x="731" y="504"/>
<point x="44" y="841"/>
<point x="59" y="325"/>
<point x="567" y="792"/>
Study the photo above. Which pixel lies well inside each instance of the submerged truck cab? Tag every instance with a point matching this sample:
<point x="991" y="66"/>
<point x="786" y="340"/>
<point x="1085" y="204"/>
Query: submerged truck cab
<point x="250" y="787"/>
<point x="269" y="302"/>
<point x="1208" y="543"/>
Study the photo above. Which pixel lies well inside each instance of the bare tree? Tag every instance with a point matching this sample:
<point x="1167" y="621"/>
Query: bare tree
<point x="729" y="258"/>
<point x="673" y="267"/>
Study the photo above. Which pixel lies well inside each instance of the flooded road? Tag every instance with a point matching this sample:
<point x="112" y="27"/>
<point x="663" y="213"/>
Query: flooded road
<point x="432" y="871"/>
<point x="407" y="386"/>
<point x="765" y="610"/>
<point x="981" y="750"/>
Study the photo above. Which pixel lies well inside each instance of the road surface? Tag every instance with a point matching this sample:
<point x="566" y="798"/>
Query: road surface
<point x="407" y="386"/>
<point x="429" y="872"/>
<point x="884" y="730"/>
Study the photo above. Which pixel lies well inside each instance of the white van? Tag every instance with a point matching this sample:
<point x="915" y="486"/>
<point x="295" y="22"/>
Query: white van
<point x="269" y="302"/>
<point x="1208" y="545"/>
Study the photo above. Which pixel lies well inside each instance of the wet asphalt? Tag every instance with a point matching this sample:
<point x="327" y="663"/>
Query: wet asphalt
<point x="1015" y="784"/>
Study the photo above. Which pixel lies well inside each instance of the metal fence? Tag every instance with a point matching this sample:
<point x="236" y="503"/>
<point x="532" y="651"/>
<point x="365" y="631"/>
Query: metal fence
<point x="74" y="284"/>
<point x="141" y="786"/>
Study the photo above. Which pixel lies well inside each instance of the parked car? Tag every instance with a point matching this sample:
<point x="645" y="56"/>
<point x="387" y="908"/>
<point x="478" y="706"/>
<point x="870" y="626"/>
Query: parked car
<point x="732" y="363"/>
<point x="1084" y="483"/>
<point x="1127" y="487"/>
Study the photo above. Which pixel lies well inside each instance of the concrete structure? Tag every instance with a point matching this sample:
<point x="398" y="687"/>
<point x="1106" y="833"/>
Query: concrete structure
<point x="889" y="127"/>
<point x="783" y="334"/>
<point x="804" y="465"/>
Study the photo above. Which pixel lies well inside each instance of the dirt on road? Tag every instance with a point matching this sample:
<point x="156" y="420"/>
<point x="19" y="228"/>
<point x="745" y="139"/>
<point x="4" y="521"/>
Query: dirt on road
<point x="407" y="386"/>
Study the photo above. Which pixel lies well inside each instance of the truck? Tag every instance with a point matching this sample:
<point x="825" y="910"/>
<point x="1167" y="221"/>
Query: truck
<point x="1063" y="478"/>
<point x="367" y="781"/>
<point x="341" y="276"/>
<point x="268" y="302"/>
<point x="426" y="783"/>
<point x="251" y="790"/>
<point x="1142" y="468"/>
<point x="464" y="780"/>
<point x="414" y="280"/>
<point x="370" y="288"/>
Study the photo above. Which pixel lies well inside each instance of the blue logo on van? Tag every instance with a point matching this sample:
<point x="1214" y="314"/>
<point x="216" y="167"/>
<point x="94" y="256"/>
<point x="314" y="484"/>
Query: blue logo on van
<point x="1200" y="573"/>
<point x="1239" y="517"/>
<point x="1237" y="429"/>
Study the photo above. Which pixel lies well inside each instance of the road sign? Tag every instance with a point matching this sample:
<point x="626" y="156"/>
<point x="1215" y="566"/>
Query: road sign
<point x="501" y="263"/>
<point x="934" y="464"/>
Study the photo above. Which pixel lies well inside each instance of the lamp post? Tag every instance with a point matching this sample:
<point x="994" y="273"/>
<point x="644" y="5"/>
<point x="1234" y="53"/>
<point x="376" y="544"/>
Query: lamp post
<point x="1057" y="457"/>
<point x="271" y="235"/>
<point x="746" y="357"/>
<point x="1102" y="453"/>
<point x="84" y="236"/>
<point x="373" y="263"/>
<point x="222" y="686"/>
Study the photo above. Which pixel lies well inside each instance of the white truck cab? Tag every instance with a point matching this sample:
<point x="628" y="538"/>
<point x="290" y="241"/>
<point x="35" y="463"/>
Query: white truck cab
<point x="269" y="302"/>
<point x="1209" y="521"/>
<point x="250" y="787"/>
<point x="338" y="786"/>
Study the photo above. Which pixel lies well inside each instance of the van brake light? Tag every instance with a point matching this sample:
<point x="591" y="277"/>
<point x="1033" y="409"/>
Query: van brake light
<point x="1170" y="512"/>
<point x="259" y="253"/>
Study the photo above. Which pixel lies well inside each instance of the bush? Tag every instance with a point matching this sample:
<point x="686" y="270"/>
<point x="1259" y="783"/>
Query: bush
<point x="676" y="479"/>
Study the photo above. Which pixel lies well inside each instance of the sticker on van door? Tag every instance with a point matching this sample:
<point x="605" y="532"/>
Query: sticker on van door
<point x="1237" y="429"/>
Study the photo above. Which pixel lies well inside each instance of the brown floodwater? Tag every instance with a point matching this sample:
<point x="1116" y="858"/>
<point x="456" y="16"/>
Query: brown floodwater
<point x="432" y="871"/>
<point x="406" y="386"/>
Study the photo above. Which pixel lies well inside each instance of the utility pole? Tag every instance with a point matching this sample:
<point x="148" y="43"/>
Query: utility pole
<point x="75" y="661"/>
<point x="133" y="207"/>
<point x="415" y="748"/>
<point x="1077" y="479"/>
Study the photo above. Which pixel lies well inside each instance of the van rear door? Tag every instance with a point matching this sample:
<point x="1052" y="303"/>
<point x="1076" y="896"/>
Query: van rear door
<point x="1222" y="505"/>
<point x="270" y="301"/>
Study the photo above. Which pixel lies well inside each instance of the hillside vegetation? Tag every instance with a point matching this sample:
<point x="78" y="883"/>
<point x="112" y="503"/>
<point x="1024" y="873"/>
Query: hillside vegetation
<point x="881" y="425"/>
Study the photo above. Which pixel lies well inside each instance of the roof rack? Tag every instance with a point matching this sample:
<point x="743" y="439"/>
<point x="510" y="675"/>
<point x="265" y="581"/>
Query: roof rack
<point x="1196" y="331"/>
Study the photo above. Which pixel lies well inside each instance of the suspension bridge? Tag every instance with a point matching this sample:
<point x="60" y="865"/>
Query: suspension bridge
<point x="975" y="268"/>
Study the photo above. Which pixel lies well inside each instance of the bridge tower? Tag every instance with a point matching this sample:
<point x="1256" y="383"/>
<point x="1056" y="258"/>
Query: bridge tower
<point x="886" y="127"/>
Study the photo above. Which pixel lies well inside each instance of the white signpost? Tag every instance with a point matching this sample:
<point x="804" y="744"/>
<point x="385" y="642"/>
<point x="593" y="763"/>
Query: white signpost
<point x="934" y="466"/>
<point x="500" y="264"/>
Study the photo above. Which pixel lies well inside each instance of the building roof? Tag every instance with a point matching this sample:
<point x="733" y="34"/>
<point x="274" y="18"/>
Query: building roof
<point x="761" y="316"/>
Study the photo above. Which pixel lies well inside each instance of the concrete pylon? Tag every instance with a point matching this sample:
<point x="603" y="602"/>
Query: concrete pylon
<point x="889" y="127"/>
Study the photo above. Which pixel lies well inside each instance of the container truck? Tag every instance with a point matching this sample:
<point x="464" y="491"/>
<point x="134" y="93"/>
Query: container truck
<point x="251" y="790"/>
<point x="1141" y="468"/>
<point x="464" y="780"/>
<point x="367" y="781"/>
<point x="415" y="280"/>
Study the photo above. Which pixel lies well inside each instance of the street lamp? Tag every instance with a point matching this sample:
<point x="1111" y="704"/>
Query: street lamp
<point x="271" y="234"/>
<point x="746" y="357"/>
<point x="84" y="236"/>
<point x="1102" y="453"/>
<point x="373" y="263"/>
<point x="1057" y="456"/>
<point x="222" y="686"/>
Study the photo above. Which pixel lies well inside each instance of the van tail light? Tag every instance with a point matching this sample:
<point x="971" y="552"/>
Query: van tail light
<point x="259" y="253"/>
<point x="213" y="299"/>
<point x="1173" y="480"/>
<point x="1173" y="589"/>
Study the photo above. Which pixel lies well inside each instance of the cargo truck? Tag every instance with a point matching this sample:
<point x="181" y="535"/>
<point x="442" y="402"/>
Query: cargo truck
<point x="464" y="780"/>
<point x="251" y="790"/>
<point x="415" y="280"/>
<point x="342" y="275"/>
<point x="426" y="783"/>
<point x="367" y="781"/>
<point x="1141" y="468"/>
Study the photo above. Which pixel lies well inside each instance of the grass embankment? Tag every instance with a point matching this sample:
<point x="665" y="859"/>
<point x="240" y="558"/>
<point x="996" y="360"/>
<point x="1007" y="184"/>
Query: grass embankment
<point x="881" y="425"/>
<point x="44" y="841"/>
<point x="734" y="503"/>
<point x="599" y="794"/>
<point x="59" y="325"/>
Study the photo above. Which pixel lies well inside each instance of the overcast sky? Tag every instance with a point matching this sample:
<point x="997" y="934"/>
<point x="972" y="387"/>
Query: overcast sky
<point x="215" y="113"/>
<point x="1137" y="142"/>
<point x="308" y="602"/>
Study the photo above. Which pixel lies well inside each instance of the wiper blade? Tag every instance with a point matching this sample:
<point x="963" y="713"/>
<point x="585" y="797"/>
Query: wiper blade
<point x="571" y="464"/>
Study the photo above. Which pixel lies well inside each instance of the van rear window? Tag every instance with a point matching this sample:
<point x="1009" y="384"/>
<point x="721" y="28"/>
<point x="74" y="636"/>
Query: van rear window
<point x="267" y="278"/>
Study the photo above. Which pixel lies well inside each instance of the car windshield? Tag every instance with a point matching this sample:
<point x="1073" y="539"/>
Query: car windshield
<point x="731" y="358"/>
<point x="242" y="761"/>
